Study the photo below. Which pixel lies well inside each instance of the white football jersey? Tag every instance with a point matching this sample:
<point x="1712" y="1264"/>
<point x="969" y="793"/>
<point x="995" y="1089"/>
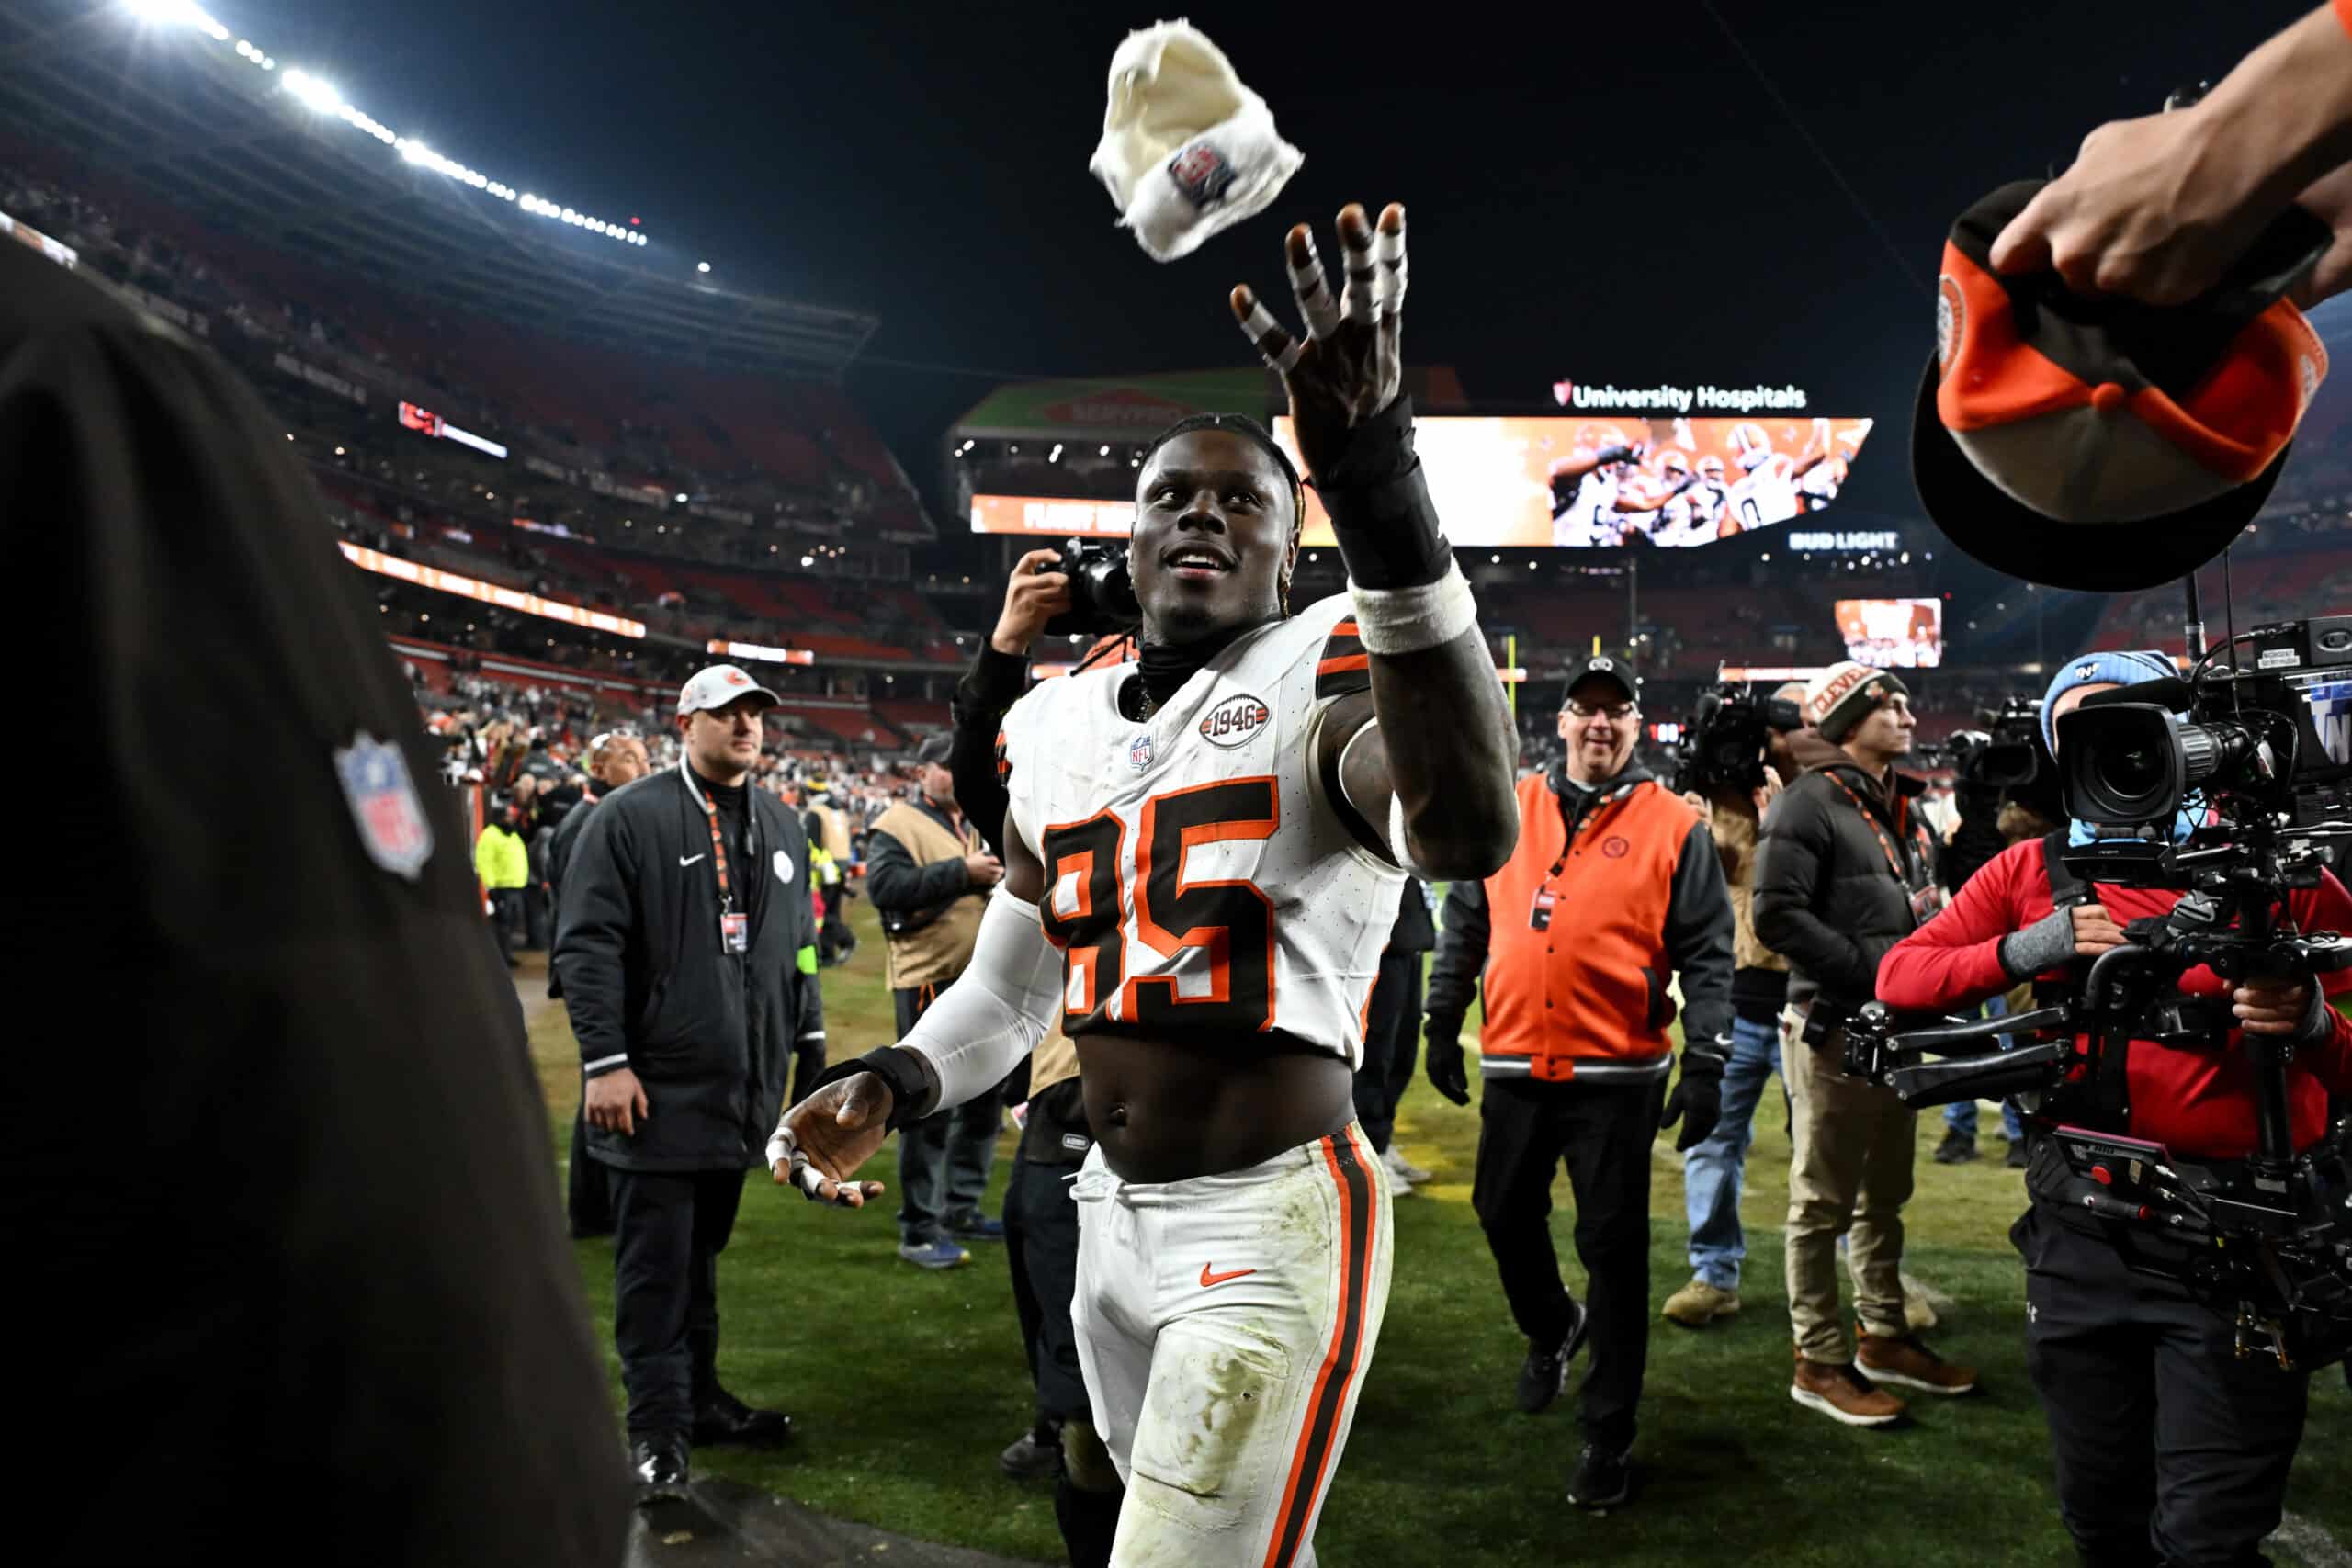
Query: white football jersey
<point x="1198" y="876"/>
<point x="1765" y="495"/>
<point x="1592" y="518"/>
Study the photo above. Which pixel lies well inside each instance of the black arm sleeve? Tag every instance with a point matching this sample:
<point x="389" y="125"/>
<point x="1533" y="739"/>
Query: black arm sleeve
<point x="1699" y="938"/>
<point x="898" y="885"/>
<point x="1793" y="854"/>
<point x="991" y="685"/>
<point x="1461" y="956"/>
<point x="595" y="917"/>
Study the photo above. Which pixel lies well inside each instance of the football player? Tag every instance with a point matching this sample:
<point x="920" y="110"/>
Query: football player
<point x="1711" y="497"/>
<point x="1588" y="485"/>
<point x="1203" y="853"/>
<point x="1767" y="491"/>
<point x="1683" y="516"/>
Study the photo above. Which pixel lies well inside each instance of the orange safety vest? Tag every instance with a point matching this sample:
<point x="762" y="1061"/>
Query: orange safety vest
<point x="1585" y="996"/>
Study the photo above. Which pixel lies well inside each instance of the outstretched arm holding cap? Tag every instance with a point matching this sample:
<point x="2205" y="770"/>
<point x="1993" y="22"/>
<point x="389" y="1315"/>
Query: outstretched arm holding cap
<point x="2157" y="209"/>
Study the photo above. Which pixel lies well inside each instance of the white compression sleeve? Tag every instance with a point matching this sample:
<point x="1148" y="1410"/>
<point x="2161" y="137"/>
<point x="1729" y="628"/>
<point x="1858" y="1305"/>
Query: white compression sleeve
<point x="997" y="1010"/>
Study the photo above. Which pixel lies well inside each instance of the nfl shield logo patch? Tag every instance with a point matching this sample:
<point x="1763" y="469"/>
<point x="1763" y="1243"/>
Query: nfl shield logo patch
<point x="384" y="803"/>
<point x="1139" y="752"/>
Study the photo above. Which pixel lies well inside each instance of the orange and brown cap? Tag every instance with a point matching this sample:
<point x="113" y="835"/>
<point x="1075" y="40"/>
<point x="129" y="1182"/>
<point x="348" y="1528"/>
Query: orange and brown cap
<point x="2101" y="443"/>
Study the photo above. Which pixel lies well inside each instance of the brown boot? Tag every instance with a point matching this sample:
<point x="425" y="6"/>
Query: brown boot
<point x="1840" y="1392"/>
<point x="1885" y="1359"/>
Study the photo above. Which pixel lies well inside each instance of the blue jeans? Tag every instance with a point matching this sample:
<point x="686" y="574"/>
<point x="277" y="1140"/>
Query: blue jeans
<point x="1713" y="1170"/>
<point x="1961" y="1114"/>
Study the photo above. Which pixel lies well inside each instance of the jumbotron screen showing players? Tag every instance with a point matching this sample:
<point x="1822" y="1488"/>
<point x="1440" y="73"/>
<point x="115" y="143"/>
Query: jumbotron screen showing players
<point x="1892" y="633"/>
<point x="1603" y="482"/>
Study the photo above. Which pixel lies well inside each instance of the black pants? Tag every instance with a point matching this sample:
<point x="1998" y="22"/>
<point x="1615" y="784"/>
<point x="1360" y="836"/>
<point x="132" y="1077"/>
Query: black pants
<point x="589" y="1197"/>
<point x="1041" y="1243"/>
<point x="2168" y="1449"/>
<point x="505" y="917"/>
<point x="1603" y="1131"/>
<point x="834" y="940"/>
<point x="536" y="916"/>
<point x="669" y="1228"/>
<point x="944" y="1159"/>
<point x="1390" y="1031"/>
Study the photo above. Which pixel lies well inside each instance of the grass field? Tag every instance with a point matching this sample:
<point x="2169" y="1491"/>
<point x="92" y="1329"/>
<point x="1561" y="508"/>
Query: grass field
<point x="905" y="1384"/>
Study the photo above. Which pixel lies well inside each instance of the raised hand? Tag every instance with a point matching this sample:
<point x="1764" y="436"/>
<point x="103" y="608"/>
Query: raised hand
<point x="1350" y="365"/>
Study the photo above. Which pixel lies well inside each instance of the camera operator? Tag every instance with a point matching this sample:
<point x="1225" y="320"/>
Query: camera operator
<point x="1713" y="1170"/>
<point x="1844" y="869"/>
<point x="1995" y="811"/>
<point x="1040" y="1219"/>
<point x="2168" y="1446"/>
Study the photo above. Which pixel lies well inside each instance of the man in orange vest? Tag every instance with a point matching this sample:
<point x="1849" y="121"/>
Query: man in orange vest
<point x="1614" y="887"/>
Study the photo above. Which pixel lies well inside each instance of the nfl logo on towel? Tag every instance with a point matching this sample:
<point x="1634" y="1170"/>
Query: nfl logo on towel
<point x="383" y="803"/>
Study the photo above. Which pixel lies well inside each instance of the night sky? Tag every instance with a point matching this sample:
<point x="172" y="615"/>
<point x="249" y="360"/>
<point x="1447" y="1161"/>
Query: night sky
<point x="1611" y="194"/>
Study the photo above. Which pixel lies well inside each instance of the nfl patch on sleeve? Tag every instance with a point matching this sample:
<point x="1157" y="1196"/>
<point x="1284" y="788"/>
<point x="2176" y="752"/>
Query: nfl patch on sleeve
<point x="384" y="806"/>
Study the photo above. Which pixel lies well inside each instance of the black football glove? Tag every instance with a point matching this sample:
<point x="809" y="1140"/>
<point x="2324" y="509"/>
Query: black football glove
<point x="1442" y="1059"/>
<point x="1697" y="1101"/>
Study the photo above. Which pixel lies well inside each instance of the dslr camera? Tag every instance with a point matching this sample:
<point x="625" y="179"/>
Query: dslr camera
<point x="1102" y="593"/>
<point x="1724" y="746"/>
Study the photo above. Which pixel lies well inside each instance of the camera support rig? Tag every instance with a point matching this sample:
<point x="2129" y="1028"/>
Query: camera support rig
<point x="2268" y="1241"/>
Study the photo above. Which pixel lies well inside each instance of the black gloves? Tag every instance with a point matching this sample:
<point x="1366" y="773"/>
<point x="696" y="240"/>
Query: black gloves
<point x="1697" y="1101"/>
<point x="1442" y="1059"/>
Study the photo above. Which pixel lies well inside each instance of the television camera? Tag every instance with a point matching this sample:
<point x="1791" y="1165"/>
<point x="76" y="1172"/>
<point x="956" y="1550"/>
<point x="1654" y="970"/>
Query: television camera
<point x="1723" y="748"/>
<point x="2006" y="754"/>
<point x="2230" y="787"/>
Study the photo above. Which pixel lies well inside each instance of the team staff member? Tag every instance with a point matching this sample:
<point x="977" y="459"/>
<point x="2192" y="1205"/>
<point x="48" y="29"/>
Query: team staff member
<point x="2168" y="1448"/>
<point x="328" y="1271"/>
<point x="687" y="947"/>
<point x="1715" y="1168"/>
<point x="828" y="830"/>
<point x="1846" y="868"/>
<point x="613" y="760"/>
<point x="1614" y="887"/>
<point x="929" y="875"/>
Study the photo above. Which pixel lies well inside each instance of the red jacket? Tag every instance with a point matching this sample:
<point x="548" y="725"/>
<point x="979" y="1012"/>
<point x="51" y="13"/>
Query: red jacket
<point x="2199" y="1102"/>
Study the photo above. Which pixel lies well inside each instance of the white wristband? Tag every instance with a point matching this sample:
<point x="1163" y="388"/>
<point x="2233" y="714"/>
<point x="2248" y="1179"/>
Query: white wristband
<point x="1406" y="620"/>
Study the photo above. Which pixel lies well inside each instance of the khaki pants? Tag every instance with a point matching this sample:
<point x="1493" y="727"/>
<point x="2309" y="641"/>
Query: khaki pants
<point x="1850" y="1172"/>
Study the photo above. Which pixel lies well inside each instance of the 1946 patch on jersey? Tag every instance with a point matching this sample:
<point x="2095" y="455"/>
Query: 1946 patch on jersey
<point x="1233" y="721"/>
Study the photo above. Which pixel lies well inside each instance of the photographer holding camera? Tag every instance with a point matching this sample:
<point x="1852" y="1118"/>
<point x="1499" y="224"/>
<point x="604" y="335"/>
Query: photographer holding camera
<point x="1732" y="769"/>
<point x="2168" y="1445"/>
<point x="2006" y="787"/>
<point x="1846" y="869"/>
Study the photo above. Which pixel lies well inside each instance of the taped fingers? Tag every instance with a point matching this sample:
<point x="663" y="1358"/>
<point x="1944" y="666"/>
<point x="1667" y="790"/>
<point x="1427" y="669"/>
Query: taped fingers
<point x="1276" y="346"/>
<point x="1360" y="299"/>
<point x="1316" y="305"/>
<point x="1388" y="262"/>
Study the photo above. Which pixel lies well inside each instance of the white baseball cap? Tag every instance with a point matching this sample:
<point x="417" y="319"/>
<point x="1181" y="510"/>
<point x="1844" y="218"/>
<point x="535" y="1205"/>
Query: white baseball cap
<point x="717" y="686"/>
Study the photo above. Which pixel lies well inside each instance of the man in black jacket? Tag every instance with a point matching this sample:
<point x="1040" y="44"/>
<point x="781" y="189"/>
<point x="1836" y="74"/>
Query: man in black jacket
<point x="289" y="1236"/>
<point x="613" y="760"/>
<point x="1845" y="870"/>
<point x="687" y="948"/>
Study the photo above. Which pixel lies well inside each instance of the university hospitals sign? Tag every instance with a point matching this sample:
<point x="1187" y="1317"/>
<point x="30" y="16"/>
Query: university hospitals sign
<point x="1678" y="400"/>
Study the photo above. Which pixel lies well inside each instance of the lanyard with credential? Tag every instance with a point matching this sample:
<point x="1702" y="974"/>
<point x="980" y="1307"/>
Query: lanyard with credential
<point x="1924" y="901"/>
<point x="734" y="929"/>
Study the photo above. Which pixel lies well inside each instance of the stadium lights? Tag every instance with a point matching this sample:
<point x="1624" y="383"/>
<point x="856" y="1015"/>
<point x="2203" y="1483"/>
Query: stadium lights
<point x="702" y="266"/>
<point x="322" y="97"/>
